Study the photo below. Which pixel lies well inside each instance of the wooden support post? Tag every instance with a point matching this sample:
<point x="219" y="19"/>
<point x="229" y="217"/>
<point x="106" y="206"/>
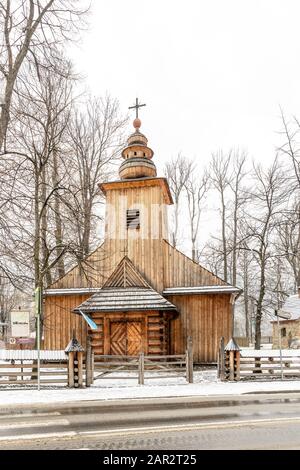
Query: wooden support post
<point x="88" y="362"/>
<point x="237" y="366"/>
<point x="226" y="365"/>
<point x="92" y="366"/>
<point x="232" y="361"/>
<point x="75" y="367"/>
<point x="71" y="382"/>
<point x="221" y="361"/>
<point x="231" y="365"/>
<point x="141" y="368"/>
<point x="189" y="361"/>
<point x="80" y="368"/>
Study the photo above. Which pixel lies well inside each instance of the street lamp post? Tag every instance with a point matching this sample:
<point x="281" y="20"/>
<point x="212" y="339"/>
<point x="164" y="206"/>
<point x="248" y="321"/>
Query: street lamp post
<point x="279" y="343"/>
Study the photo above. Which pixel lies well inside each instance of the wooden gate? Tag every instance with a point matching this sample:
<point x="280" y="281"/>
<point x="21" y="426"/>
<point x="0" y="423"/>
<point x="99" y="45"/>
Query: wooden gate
<point x="125" y="338"/>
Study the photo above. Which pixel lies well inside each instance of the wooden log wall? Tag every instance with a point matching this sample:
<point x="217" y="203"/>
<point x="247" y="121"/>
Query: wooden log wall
<point x="155" y="331"/>
<point x="158" y="334"/>
<point x="206" y="318"/>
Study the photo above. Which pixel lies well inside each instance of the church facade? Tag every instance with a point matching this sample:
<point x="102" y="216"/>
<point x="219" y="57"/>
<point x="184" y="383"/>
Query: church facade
<point x="143" y="294"/>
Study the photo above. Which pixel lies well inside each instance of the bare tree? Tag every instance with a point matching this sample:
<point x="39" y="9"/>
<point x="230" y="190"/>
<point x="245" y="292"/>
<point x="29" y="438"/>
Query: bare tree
<point x="42" y="112"/>
<point x="220" y="178"/>
<point x="267" y="199"/>
<point x="196" y="191"/>
<point x="239" y="198"/>
<point x="95" y="139"/>
<point x="177" y="172"/>
<point x="289" y="225"/>
<point x="29" y="28"/>
<point x="291" y="148"/>
<point x="289" y="240"/>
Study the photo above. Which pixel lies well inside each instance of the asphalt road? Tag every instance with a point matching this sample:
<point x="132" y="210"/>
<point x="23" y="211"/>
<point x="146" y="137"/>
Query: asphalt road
<point x="250" y="422"/>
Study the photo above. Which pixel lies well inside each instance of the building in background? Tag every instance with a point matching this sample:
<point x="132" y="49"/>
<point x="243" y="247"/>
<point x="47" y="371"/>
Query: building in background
<point x="289" y="330"/>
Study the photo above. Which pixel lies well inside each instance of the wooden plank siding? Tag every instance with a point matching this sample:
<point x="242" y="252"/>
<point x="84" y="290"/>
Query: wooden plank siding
<point x="59" y="322"/>
<point x="204" y="317"/>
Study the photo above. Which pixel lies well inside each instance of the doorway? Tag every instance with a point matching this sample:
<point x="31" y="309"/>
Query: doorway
<point x="125" y="338"/>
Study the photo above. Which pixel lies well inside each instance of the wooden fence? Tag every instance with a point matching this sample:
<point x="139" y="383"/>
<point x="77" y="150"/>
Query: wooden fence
<point x="19" y="367"/>
<point x="20" y="372"/>
<point x="235" y="365"/>
<point x="145" y="367"/>
<point x="269" y="367"/>
<point x="75" y="367"/>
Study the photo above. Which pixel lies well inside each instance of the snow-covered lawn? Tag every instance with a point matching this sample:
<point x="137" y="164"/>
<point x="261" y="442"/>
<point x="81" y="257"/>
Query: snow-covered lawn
<point x="205" y="384"/>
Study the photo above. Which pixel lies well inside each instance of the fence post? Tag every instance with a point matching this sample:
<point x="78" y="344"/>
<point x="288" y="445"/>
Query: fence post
<point x="237" y="367"/>
<point x="221" y="360"/>
<point x="79" y="369"/>
<point x="232" y="351"/>
<point x="71" y="369"/>
<point x="189" y="361"/>
<point x="88" y="362"/>
<point x="74" y="350"/>
<point x="92" y="366"/>
<point x="141" y="368"/>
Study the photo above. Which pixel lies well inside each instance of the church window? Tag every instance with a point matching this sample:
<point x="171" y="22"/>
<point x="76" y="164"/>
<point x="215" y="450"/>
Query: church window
<point x="133" y="218"/>
<point x="283" y="332"/>
<point x="134" y="153"/>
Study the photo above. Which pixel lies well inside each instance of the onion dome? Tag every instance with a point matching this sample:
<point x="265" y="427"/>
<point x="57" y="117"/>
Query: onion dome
<point x="137" y="156"/>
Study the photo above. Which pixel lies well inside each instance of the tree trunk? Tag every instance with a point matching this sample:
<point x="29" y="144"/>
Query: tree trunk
<point x="44" y="230"/>
<point x="58" y="219"/>
<point x="224" y="241"/>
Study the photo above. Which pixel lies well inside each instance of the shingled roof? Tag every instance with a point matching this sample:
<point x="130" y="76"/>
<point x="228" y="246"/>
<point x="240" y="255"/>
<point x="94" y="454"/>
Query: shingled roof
<point x="124" y="291"/>
<point x="122" y="299"/>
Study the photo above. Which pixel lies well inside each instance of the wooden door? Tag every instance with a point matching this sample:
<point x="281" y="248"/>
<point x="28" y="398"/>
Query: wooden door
<point x="118" y="338"/>
<point x="134" y="338"/>
<point x="125" y="338"/>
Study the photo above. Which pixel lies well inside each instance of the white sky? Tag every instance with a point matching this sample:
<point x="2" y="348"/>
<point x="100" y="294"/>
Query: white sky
<point x="212" y="72"/>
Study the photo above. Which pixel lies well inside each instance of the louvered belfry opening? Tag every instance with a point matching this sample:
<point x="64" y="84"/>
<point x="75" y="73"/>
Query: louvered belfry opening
<point x="133" y="218"/>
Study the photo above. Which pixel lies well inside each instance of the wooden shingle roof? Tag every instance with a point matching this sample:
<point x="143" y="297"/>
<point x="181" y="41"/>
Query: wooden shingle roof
<point x="125" y="290"/>
<point x="124" y="299"/>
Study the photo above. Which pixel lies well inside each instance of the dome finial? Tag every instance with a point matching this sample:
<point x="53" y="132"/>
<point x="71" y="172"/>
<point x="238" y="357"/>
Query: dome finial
<point x="137" y="123"/>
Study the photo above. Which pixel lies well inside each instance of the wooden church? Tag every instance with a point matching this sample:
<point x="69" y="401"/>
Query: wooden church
<point x="143" y="294"/>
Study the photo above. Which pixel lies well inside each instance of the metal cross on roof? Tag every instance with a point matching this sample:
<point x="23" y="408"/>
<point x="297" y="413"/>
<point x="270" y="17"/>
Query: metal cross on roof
<point x="136" y="107"/>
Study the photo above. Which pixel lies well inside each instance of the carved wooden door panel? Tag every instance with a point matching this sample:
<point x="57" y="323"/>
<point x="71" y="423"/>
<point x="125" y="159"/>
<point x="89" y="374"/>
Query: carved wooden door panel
<point x="134" y="338"/>
<point x="118" y="338"/>
<point x="125" y="338"/>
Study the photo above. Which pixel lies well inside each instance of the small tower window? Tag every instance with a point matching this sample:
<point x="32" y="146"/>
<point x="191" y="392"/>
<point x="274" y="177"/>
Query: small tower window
<point x="134" y="153"/>
<point x="133" y="219"/>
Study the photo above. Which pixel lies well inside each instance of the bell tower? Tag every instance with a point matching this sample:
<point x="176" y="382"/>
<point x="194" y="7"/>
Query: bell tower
<point x="136" y="210"/>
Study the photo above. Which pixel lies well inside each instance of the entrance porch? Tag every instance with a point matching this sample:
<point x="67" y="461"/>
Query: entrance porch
<point x="130" y="333"/>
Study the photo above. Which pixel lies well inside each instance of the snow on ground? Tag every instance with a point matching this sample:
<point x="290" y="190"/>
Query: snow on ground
<point x="205" y="384"/>
<point x="250" y="352"/>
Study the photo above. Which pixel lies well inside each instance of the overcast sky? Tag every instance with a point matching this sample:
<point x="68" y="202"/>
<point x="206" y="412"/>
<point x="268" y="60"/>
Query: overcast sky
<point x="213" y="73"/>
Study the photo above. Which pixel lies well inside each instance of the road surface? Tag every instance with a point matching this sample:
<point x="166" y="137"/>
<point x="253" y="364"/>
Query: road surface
<point x="248" y="422"/>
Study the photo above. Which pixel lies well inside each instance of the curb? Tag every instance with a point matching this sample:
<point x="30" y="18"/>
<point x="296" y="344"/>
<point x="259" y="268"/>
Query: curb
<point x="141" y="404"/>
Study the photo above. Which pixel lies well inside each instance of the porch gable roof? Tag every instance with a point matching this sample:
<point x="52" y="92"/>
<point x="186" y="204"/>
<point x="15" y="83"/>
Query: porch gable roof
<point x="124" y="299"/>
